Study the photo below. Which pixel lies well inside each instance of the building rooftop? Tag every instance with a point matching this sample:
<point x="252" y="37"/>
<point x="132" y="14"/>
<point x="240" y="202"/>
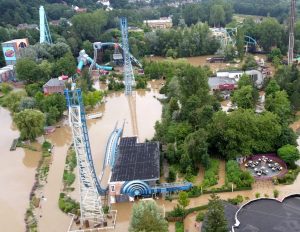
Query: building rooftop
<point x="161" y="20"/>
<point x="136" y="161"/>
<point x="54" y="82"/>
<point x="14" y="41"/>
<point x="214" y="81"/>
<point x="270" y="215"/>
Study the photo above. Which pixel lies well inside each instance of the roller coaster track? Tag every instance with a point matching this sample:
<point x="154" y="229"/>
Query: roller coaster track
<point x="100" y="45"/>
<point x="90" y="189"/>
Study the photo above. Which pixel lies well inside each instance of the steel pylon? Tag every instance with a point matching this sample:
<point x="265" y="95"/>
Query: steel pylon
<point x="45" y="36"/>
<point x="128" y="71"/>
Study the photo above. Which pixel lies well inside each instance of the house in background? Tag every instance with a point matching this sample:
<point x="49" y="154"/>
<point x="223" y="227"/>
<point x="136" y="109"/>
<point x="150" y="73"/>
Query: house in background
<point x="54" y="85"/>
<point x="162" y="23"/>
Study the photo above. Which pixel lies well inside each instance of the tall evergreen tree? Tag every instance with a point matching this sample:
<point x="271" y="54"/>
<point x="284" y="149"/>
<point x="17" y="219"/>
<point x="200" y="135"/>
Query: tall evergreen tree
<point x="215" y="221"/>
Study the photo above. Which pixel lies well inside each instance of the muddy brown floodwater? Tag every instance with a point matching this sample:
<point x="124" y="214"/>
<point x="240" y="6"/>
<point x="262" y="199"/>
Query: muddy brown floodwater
<point x="202" y="60"/>
<point x="17" y="170"/>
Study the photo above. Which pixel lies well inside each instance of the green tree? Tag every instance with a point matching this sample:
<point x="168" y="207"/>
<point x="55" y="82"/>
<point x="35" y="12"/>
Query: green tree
<point x="240" y="40"/>
<point x="5" y="88"/>
<point x="88" y="47"/>
<point x="249" y="63"/>
<point x="244" y="81"/>
<point x="46" y="68"/>
<point x="196" y="147"/>
<point x="217" y="15"/>
<point x="172" y="175"/>
<point x="287" y="136"/>
<point x="27" y="103"/>
<point x="279" y="104"/>
<point x="12" y="100"/>
<point x="244" y="97"/>
<point x="52" y="115"/>
<point x="183" y="199"/>
<point x="230" y="52"/>
<point x="289" y="154"/>
<point x="89" y="26"/>
<point x="47" y="103"/>
<point x="32" y="89"/>
<point x="92" y="98"/>
<point x="146" y="216"/>
<point x="65" y="65"/>
<point x="275" y="52"/>
<point x="27" y="70"/>
<point x="30" y="123"/>
<point x="240" y="132"/>
<point x="215" y="218"/>
<point x="272" y="87"/>
<point x="270" y="33"/>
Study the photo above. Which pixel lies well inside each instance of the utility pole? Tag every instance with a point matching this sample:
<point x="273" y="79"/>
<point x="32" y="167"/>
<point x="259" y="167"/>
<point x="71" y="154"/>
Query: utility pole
<point x="291" y="32"/>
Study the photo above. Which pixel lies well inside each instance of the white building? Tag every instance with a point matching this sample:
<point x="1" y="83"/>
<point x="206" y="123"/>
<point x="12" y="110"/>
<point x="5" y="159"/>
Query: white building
<point x="162" y="23"/>
<point x="256" y="75"/>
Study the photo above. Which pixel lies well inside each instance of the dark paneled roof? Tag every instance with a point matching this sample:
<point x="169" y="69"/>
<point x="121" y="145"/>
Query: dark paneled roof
<point x="136" y="161"/>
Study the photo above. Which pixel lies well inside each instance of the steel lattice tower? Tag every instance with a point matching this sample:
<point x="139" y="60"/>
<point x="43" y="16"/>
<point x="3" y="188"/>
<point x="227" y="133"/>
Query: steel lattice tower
<point x="291" y="32"/>
<point x="128" y="71"/>
<point x="90" y="199"/>
<point x="45" y="36"/>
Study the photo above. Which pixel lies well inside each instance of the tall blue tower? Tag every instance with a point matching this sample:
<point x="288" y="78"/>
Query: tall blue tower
<point x="45" y="36"/>
<point x="128" y="71"/>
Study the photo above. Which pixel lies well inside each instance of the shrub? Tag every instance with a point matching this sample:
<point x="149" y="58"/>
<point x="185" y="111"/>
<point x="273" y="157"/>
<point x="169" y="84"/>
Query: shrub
<point x="200" y="216"/>
<point x="289" y="177"/>
<point x="237" y="200"/>
<point x="172" y="175"/>
<point x="46" y="146"/>
<point x="178" y="211"/>
<point x="68" y="205"/>
<point x="5" y="88"/>
<point x="105" y="209"/>
<point x="266" y="195"/>
<point x="235" y="175"/>
<point x="289" y="153"/>
<point x="179" y="227"/>
<point x="71" y="160"/>
<point x="275" y="193"/>
<point x="211" y="174"/>
<point x="68" y="178"/>
<point x="195" y="191"/>
<point x="257" y="195"/>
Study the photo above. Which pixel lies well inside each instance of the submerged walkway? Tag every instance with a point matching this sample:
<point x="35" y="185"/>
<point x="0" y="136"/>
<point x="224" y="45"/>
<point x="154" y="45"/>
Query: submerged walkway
<point x="51" y="214"/>
<point x="221" y="174"/>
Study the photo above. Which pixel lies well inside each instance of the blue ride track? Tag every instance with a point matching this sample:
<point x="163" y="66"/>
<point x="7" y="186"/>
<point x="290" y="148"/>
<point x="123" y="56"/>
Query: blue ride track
<point x="131" y="188"/>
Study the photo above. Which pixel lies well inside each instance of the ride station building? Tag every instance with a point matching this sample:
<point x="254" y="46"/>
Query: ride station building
<point x="136" y="170"/>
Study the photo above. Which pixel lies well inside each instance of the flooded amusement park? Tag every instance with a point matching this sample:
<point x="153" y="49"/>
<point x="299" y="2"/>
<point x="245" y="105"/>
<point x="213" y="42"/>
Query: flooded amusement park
<point x="18" y="167"/>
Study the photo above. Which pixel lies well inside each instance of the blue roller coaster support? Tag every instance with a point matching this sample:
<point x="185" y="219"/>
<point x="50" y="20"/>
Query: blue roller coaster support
<point x="250" y="40"/>
<point x="128" y="71"/>
<point x="74" y="98"/>
<point x="45" y="36"/>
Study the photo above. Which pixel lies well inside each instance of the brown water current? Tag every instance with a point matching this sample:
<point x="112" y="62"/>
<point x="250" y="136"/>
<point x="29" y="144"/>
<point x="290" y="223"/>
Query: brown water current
<point x="115" y="110"/>
<point x="17" y="170"/>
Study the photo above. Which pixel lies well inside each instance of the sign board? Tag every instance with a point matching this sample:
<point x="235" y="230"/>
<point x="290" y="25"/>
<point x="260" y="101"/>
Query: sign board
<point x="9" y="53"/>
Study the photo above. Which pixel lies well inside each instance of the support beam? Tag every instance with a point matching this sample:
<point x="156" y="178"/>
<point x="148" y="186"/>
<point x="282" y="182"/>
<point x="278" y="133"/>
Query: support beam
<point x="291" y="32"/>
<point x="45" y="36"/>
